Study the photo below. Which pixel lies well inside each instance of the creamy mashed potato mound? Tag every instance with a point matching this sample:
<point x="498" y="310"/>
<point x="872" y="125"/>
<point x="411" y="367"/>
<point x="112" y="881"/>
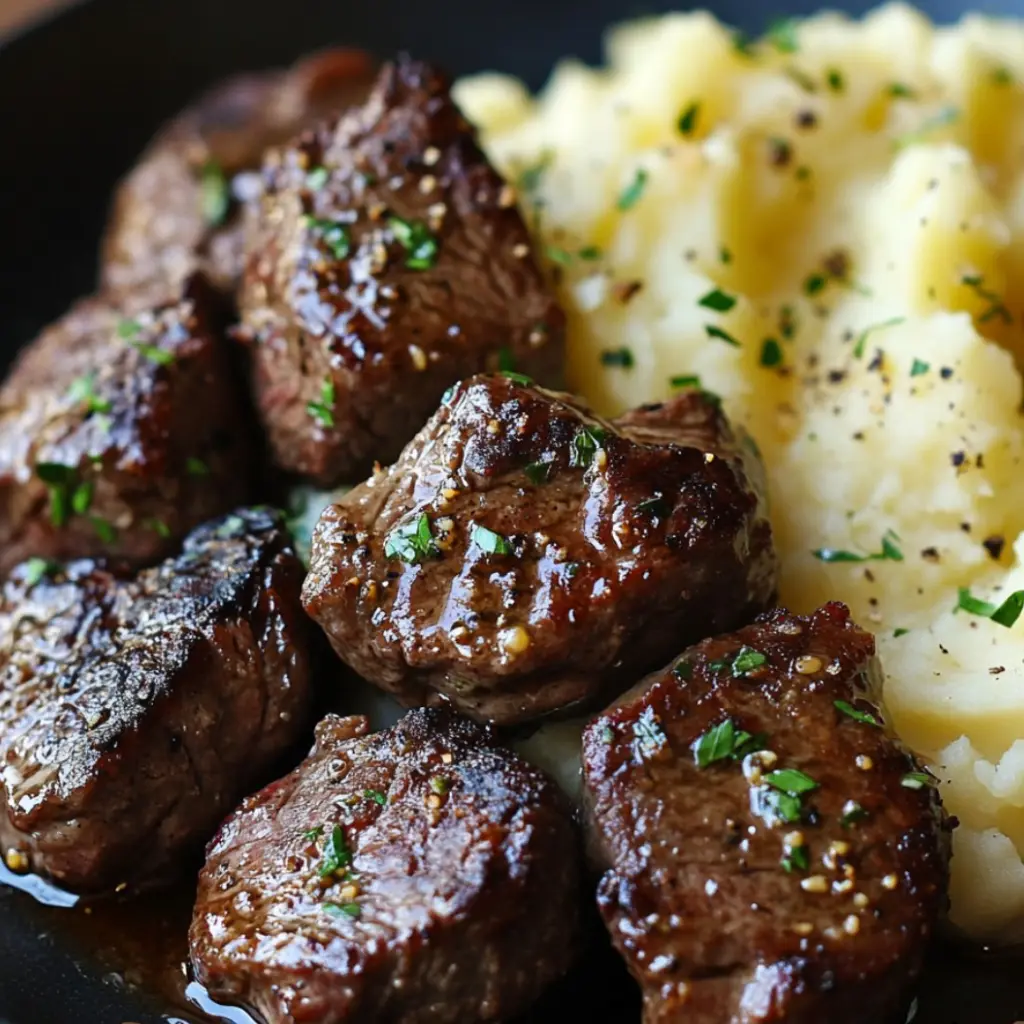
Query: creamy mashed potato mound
<point x="847" y="199"/>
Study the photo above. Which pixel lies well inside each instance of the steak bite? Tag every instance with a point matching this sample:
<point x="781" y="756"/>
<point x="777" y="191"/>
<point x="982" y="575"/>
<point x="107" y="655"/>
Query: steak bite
<point x="178" y="209"/>
<point x="387" y="261"/>
<point x="119" y="435"/>
<point x="524" y="556"/>
<point x="422" y="873"/>
<point x="135" y="712"/>
<point x="770" y="851"/>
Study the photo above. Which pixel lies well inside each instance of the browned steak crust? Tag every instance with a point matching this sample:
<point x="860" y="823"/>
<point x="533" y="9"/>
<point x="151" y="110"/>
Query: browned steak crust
<point x="524" y="556"/>
<point x="387" y="261"/>
<point x="177" y="210"/>
<point x="420" y="874"/>
<point x="798" y="884"/>
<point x="119" y="435"/>
<point x="135" y="712"/>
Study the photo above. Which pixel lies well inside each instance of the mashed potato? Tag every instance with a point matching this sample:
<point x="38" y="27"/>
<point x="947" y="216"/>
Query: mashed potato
<point x="827" y="228"/>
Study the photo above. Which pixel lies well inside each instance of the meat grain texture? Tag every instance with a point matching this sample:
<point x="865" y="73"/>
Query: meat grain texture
<point x="524" y="557"/>
<point x="387" y="260"/>
<point x="770" y="852"/>
<point x="136" y="711"/>
<point x="120" y="434"/>
<point x="420" y="874"/>
<point x="180" y="209"/>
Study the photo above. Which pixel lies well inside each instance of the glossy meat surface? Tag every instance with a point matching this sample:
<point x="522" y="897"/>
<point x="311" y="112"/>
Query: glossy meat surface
<point x="120" y="434"/>
<point x="800" y="883"/>
<point x="135" y="711"/>
<point x="420" y="874"/>
<point x="387" y="261"/>
<point x="524" y="556"/>
<point x="178" y="210"/>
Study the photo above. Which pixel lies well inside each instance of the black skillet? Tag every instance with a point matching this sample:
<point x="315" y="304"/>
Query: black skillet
<point x="79" y="96"/>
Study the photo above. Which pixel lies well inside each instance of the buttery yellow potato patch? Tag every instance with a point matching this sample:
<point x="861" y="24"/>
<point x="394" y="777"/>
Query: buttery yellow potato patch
<point x="826" y="228"/>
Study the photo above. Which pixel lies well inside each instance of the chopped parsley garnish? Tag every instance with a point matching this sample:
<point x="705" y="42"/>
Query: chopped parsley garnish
<point x="336" y="856"/>
<point x="530" y="177"/>
<point x="656" y="506"/>
<point x="916" y="780"/>
<point x="215" y="196"/>
<point x="997" y="308"/>
<point x="631" y="194"/>
<point x="771" y="353"/>
<point x="538" y="472"/>
<point x="746" y="660"/>
<point x="724" y="255"/>
<point x="506" y="359"/>
<point x="83" y="389"/>
<point x="858" y="716"/>
<point x="1005" y="614"/>
<point x="1002" y="76"/>
<point x="415" y="237"/>
<point x="61" y="481"/>
<point x="791" y="781"/>
<point x="37" y="568"/>
<point x="517" y="378"/>
<point x="774" y="804"/>
<point x="412" y="541"/>
<point x="159" y="527"/>
<point x="687" y="122"/>
<point x="559" y="255"/>
<point x="835" y="80"/>
<point x="81" y="497"/>
<point x="724" y="742"/>
<point x="334" y="235"/>
<point x="919" y="367"/>
<point x="943" y="119"/>
<point x="852" y="813"/>
<point x="782" y="34"/>
<point x="683" y="670"/>
<point x="649" y="738"/>
<point x="439" y="785"/>
<point x="105" y="530"/>
<point x="154" y="353"/>
<point x="590" y="252"/>
<point x="814" y="284"/>
<point x="890" y="552"/>
<point x="798" y="858"/>
<point x="196" y="467"/>
<point x="313" y="834"/>
<point x="899" y="631"/>
<point x="617" y="357"/>
<point x="317" y="178"/>
<point x="128" y="329"/>
<point x="686" y="381"/>
<point x="339" y="909"/>
<point x="719" y="301"/>
<point x="862" y="339"/>
<point x="900" y="90"/>
<point x="376" y="796"/>
<point x="584" y="446"/>
<point x="323" y="410"/>
<point x="489" y="541"/>
<point x="716" y="332"/>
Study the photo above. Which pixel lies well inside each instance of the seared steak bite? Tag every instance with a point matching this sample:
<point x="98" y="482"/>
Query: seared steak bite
<point x="177" y="210"/>
<point x="771" y="853"/>
<point x="387" y="261"/>
<point x="119" y="434"/>
<point x="417" y="874"/>
<point x="524" y="556"/>
<point x="134" y="712"/>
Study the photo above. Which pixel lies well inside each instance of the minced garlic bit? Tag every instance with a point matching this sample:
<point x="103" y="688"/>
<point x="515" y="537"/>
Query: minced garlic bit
<point x="890" y="882"/>
<point x="431" y="155"/>
<point x="851" y="925"/>
<point x="419" y="357"/>
<point x="803" y="928"/>
<point x="864" y="763"/>
<point x="515" y="640"/>
<point x="349" y="892"/>
<point x="815" y="884"/>
<point x="791" y="840"/>
<point x="808" y="665"/>
<point x="521" y="250"/>
<point x="860" y="900"/>
<point x="16" y="861"/>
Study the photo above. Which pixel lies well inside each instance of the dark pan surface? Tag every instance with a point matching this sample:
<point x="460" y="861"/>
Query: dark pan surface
<point x="79" y="96"/>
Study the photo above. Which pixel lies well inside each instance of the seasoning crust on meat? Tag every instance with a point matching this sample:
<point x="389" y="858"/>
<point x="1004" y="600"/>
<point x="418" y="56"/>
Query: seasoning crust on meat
<point x="178" y="210"/>
<point x="770" y="852"/>
<point x="120" y="434"/>
<point x="135" y="711"/>
<point x="387" y="260"/>
<point x="524" y="556"/>
<point x="418" y="874"/>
